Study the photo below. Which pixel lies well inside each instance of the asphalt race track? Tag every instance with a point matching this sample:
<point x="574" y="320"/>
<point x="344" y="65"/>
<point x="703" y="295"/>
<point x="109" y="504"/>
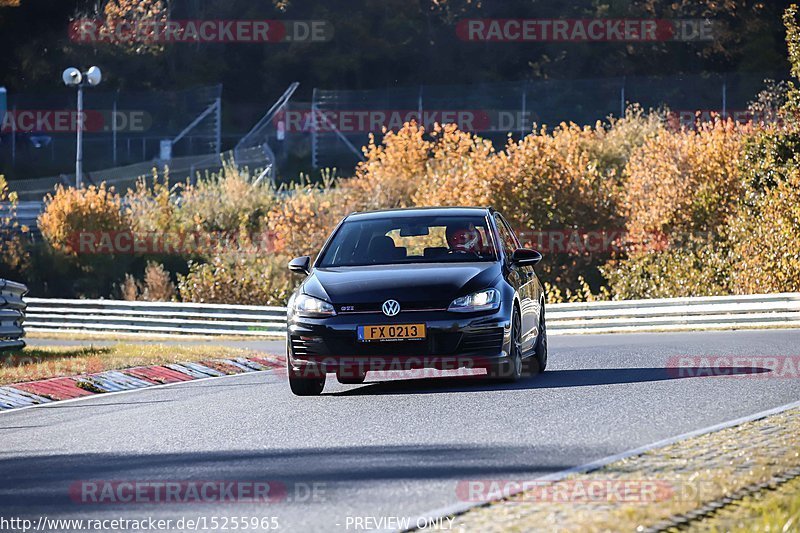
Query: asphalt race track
<point x="378" y="450"/>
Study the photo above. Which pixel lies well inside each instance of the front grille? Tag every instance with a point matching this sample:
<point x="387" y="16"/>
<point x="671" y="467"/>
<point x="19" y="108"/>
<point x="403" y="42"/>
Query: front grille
<point x="377" y="307"/>
<point x="348" y="345"/>
<point x="482" y="340"/>
<point x="435" y="344"/>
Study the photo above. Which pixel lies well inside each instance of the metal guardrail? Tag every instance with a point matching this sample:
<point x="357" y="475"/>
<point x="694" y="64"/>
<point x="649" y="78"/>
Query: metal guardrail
<point x="155" y="318"/>
<point x="12" y="314"/>
<point x="32" y="191"/>
<point x="169" y="319"/>
<point x="23" y="214"/>
<point x="676" y="314"/>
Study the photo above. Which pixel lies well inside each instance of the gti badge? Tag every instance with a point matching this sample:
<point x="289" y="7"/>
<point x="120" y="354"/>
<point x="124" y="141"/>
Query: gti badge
<point x="391" y="307"/>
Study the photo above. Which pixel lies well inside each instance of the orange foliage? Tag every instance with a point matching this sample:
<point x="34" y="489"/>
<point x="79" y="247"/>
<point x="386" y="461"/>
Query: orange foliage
<point x="683" y="182"/>
<point x="304" y="219"/>
<point x="71" y="211"/>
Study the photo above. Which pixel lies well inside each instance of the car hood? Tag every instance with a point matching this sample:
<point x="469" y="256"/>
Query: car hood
<point x="428" y="285"/>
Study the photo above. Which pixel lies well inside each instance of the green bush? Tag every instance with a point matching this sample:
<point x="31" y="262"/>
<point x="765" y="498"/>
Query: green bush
<point x="239" y="279"/>
<point x="699" y="268"/>
<point x="768" y="158"/>
<point x="765" y="236"/>
<point x="63" y="266"/>
<point x="227" y="202"/>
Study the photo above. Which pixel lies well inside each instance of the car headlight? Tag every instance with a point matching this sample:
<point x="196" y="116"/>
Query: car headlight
<point x="477" y="301"/>
<point x="310" y="307"/>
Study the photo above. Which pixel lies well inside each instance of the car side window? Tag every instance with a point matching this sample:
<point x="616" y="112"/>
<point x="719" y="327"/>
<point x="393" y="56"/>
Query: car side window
<point x="507" y="239"/>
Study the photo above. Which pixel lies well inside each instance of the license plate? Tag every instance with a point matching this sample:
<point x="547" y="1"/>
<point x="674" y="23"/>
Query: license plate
<point x="391" y="332"/>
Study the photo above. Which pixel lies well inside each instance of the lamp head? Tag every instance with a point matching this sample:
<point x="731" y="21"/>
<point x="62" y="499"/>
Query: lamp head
<point x="94" y="76"/>
<point x="72" y="77"/>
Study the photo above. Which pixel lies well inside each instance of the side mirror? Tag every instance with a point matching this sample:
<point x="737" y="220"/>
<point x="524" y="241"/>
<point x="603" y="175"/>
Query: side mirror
<point x="525" y="257"/>
<point x="301" y="265"/>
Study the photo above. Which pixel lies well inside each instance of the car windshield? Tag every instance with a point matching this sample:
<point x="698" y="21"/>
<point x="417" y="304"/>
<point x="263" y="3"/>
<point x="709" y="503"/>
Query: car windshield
<point x="399" y="240"/>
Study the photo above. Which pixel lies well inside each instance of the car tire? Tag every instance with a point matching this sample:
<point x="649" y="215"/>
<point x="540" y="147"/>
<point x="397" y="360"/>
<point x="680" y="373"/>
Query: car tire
<point x="352" y="379"/>
<point x="306" y="385"/>
<point x="540" y="350"/>
<point x="511" y="371"/>
<point x="306" y="381"/>
<point x="530" y="366"/>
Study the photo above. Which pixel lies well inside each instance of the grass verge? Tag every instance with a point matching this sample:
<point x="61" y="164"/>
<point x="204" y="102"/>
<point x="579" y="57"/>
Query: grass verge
<point x="767" y="511"/>
<point x="30" y="364"/>
<point x="642" y="491"/>
<point x="133" y="337"/>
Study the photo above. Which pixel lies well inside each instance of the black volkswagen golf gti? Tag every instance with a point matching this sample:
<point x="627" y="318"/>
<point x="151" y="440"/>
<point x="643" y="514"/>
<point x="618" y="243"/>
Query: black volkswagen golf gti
<point x="406" y="289"/>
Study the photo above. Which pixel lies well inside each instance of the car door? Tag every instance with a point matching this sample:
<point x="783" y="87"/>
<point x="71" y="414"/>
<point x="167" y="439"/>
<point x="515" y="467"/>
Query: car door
<point x="521" y="278"/>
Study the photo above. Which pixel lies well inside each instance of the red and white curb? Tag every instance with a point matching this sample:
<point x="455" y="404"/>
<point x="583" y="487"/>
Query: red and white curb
<point x="32" y="393"/>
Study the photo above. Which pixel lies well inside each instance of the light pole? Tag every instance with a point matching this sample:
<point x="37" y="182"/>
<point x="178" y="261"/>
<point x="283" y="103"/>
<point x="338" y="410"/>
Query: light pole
<point x="75" y="78"/>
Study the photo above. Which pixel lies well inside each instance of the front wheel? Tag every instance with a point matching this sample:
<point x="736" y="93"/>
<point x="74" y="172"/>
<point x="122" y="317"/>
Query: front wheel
<point x="306" y="385"/>
<point x="308" y="381"/>
<point x="349" y="378"/>
<point x="537" y="362"/>
<point x="541" y="343"/>
<point x="511" y="371"/>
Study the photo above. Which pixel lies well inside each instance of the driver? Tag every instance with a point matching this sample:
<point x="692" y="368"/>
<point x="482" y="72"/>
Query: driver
<point x="463" y="238"/>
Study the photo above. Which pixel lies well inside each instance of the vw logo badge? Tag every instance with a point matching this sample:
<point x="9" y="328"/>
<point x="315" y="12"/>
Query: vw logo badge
<point x="391" y="307"/>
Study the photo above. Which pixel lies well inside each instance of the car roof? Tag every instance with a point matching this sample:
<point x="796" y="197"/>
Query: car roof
<point x="420" y="211"/>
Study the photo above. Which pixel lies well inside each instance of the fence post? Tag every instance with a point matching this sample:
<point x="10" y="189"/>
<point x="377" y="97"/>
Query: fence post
<point x="724" y="98"/>
<point x="14" y="137"/>
<point x="114" y="128"/>
<point x="524" y="108"/>
<point x="314" y="146"/>
<point x="218" y="126"/>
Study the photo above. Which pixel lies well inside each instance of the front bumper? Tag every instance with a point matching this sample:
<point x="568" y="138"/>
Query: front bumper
<point x="453" y="341"/>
